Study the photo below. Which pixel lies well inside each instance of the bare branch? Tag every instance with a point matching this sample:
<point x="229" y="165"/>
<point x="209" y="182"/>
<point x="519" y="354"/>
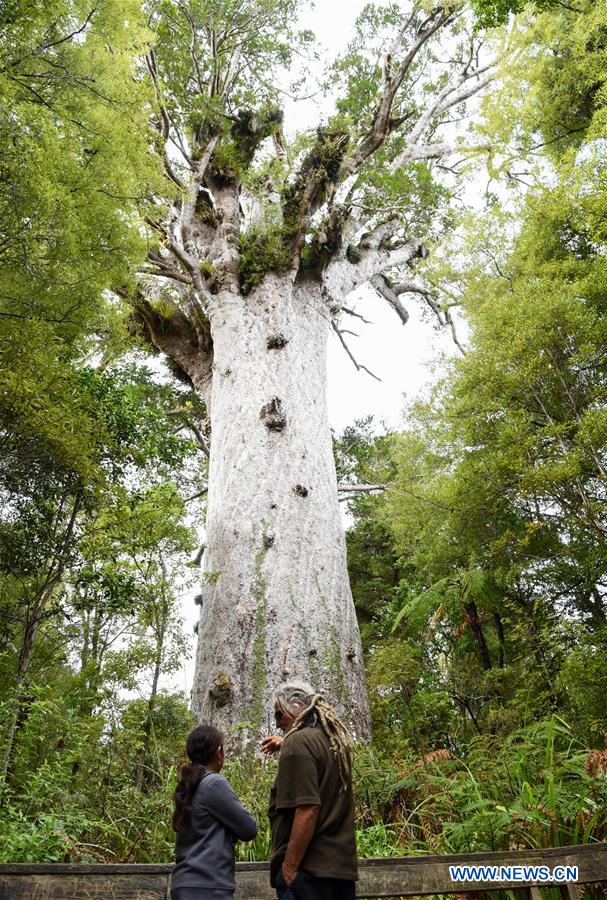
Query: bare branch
<point x="189" y="262"/>
<point x="358" y="366"/>
<point x="199" y="553"/>
<point x="470" y="90"/>
<point x="72" y="34"/>
<point x="189" y="499"/>
<point x="465" y="85"/>
<point x="198" y="76"/>
<point x="164" y="123"/>
<point x="375" y="252"/>
<point x="424" y="152"/>
<point x="164" y="272"/>
<point x="391" y="293"/>
<point x="352" y="312"/>
<point x="203" y="444"/>
<point x="360" y="489"/>
<point x="164" y="269"/>
<point x="382" y="126"/>
<point x="451" y="323"/>
<point x="385" y="289"/>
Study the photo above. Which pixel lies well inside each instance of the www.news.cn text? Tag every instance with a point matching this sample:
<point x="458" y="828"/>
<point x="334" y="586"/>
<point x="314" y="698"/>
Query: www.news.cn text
<point x="543" y="874"/>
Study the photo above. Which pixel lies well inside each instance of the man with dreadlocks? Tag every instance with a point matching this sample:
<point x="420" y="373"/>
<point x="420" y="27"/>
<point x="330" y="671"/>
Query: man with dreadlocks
<point x="311" y="803"/>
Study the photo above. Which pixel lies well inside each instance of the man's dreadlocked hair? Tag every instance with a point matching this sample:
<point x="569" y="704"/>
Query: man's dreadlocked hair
<point x="301" y="700"/>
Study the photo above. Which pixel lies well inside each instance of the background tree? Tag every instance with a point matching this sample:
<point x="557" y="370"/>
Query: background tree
<point x="74" y="430"/>
<point x="498" y="504"/>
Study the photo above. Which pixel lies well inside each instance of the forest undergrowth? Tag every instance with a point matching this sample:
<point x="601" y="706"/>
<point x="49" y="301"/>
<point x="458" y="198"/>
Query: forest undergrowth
<point x="538" y="787"/>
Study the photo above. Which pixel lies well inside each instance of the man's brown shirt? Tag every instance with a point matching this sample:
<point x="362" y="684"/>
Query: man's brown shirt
<point x="308" y="775"/>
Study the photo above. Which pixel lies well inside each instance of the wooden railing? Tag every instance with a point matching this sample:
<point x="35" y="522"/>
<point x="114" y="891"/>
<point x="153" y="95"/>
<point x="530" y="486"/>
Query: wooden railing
<point x="395" y="877"/>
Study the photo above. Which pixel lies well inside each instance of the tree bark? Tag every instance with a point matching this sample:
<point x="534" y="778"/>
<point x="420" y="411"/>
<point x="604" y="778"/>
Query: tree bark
<point x="477" y="634"/>
<point x="147" y="726"/>
<point x="501" y="641"/>
<point x="276" y="598"/>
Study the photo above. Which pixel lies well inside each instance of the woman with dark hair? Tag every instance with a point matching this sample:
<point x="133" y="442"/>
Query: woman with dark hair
<point x="209" y="818"/>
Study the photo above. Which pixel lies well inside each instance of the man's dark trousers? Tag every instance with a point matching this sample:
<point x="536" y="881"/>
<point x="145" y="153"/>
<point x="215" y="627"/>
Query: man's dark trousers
<point x="308" y="887"/>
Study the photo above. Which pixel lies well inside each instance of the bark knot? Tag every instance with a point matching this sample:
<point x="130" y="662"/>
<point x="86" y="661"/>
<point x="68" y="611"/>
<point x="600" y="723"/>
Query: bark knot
<point x="300" y="490"/>
<point x="273" y="416"/>
<point x="277" y="342"/>
<point x="221" y="690"/>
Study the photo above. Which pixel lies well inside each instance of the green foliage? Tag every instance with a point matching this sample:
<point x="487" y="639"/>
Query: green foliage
<point x="413" y="192"/>
<point x="75" y="161"/>
<point x="373" y="562"/>
<point x="252" y="780"/>
<point x="479" y="576"/>
<point x="261" y="250"/>
<point x="552" y="92"/>
<point x="533" y="790"/>
<point x="80" y="800"/>
<point x="496" y="12"/>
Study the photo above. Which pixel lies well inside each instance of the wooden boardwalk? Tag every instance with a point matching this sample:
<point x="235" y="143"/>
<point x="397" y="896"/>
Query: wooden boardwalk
<point x="395" y="877"/>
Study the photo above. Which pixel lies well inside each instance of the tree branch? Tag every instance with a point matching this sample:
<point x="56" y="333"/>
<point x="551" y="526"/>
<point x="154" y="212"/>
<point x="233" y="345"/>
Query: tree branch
<point x="453" y="93"/>
<point x="391" y="293"/>
<point x="350" y="491"/>
<point x="352" y="312"/>
<point x="385" y="289"/>
<point x="195" y="496"/>
<point x="382" y="125"/>
<point x="373" y="255"/>
<point x="358" y="366"/>
<point x="164" y="124"/>
<point x="174" y="334"/>
<point x="201" y="439"/>
<point x="164" y="269"/>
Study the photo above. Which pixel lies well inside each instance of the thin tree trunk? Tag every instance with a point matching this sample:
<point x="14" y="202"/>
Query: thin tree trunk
<point x="276" y="601"/>
<point x="477" y="634"/>
<point x="501" y="643"/>
<point x="597" y="609"/>
<point x="147" y="727"/>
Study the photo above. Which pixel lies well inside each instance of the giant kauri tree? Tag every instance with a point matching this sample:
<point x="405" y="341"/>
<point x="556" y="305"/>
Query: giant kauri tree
<point x="252" y="255"/>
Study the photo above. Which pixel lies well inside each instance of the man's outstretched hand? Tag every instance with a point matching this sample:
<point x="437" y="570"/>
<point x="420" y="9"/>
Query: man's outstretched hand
<point x="271" y="744"/>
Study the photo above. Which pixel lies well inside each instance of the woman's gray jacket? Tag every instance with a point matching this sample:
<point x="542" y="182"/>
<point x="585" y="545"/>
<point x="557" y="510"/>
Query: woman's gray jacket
<point x="204" y="853"/>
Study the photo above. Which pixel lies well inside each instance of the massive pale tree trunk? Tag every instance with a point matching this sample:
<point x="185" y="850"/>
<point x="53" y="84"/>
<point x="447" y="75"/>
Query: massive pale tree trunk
<point x="250" y="270"/>
<point x="276" y="602"/>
